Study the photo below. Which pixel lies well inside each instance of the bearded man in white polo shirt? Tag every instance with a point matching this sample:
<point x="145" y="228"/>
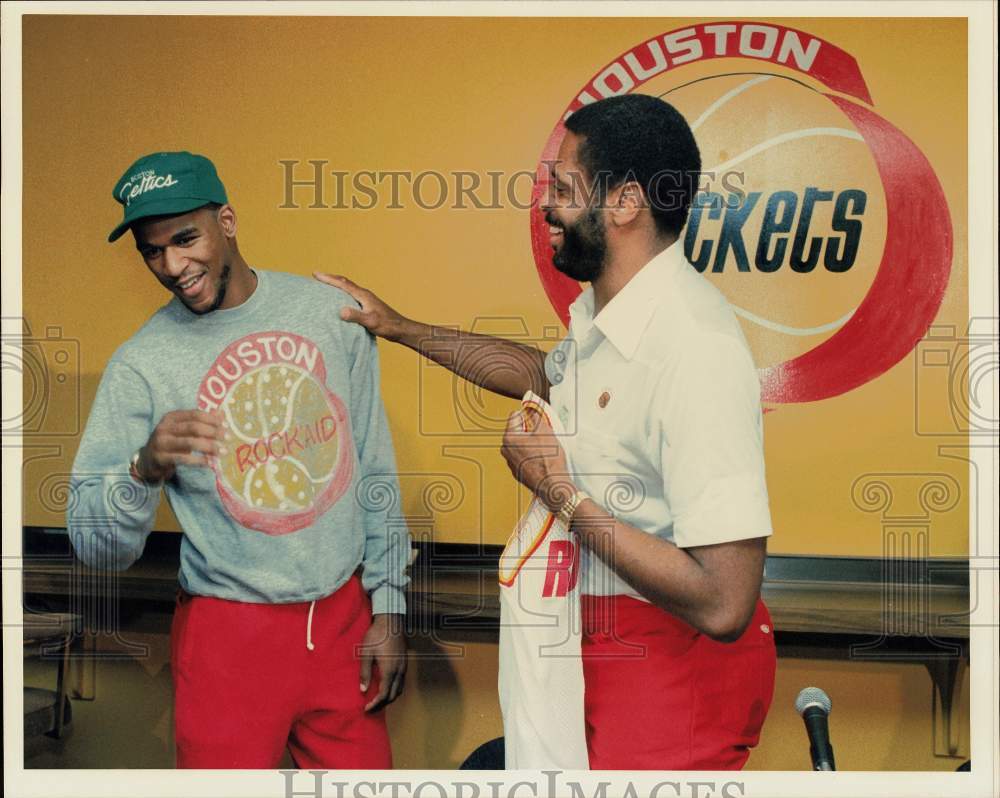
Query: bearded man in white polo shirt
<point x="667" y="495"/>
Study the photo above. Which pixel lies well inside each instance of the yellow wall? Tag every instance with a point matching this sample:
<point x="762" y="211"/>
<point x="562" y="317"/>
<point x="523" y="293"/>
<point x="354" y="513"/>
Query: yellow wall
<point x="449" y="94"/>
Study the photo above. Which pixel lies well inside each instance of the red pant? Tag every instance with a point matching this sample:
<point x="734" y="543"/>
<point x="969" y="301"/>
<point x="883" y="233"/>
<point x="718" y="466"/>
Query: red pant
<point x="246" y="685"/>
<point x="661" y="696"/>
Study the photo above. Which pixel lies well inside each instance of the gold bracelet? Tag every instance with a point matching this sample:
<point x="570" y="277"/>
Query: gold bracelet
<point x="568" y="509"/>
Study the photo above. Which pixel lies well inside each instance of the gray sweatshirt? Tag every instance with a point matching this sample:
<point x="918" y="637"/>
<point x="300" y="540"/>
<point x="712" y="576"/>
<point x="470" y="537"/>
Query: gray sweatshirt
<point x="306" y="489"/>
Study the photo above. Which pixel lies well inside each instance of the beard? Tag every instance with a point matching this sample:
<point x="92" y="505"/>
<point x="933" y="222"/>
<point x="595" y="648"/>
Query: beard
<point x="584" y="248"/>
<point x="220" y="293"/>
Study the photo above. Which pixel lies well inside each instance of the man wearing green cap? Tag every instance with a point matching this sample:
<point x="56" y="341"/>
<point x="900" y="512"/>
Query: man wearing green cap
<point x="257" y="410"/>
<point x="169" y="185"/>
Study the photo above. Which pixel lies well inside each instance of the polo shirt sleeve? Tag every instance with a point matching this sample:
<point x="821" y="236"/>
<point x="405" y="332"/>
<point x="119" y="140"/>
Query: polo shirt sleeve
<point x="710" y="430"/>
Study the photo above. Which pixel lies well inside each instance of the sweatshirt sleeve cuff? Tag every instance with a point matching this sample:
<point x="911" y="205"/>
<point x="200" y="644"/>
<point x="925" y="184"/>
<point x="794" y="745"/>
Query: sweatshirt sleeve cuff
<point x="388" y="600"/>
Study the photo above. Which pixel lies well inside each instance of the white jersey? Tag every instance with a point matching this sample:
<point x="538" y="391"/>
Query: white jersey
<point x="541" y="673"/>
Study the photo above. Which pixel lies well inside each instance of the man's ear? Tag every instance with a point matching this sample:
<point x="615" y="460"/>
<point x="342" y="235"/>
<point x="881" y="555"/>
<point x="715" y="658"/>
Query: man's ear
<point x="227" y="220"/>
<point x="626" y="203"/>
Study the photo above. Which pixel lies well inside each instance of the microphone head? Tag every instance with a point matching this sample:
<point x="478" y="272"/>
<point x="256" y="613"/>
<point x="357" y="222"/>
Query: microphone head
<point x="812" y="697"/>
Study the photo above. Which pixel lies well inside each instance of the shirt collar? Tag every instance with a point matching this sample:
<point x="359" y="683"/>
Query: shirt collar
<point x="624" y="319"/>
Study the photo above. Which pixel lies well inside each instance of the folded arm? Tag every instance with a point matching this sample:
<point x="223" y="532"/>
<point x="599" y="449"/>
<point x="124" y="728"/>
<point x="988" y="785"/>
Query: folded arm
<point x="713" y="588"/>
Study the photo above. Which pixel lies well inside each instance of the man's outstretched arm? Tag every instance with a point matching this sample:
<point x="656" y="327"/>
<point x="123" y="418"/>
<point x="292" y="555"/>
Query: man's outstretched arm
<point x="504" y="367"/>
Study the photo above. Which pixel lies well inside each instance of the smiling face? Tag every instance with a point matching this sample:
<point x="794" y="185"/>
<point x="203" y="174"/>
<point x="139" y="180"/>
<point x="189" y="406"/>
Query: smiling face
<point x="575" y="217"/>
<point x="190" y="254"/>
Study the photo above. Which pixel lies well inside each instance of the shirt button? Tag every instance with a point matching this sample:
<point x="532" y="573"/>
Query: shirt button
<point x="765" y="628"/>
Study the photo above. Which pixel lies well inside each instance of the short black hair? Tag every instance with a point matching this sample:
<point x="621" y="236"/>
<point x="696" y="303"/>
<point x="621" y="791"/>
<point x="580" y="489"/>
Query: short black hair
<point x="641" y="138"/>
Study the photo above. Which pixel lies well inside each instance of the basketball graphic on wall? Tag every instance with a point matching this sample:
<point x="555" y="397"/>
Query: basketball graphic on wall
<point x="790" y="219"/>
<point x="821" y="222"/>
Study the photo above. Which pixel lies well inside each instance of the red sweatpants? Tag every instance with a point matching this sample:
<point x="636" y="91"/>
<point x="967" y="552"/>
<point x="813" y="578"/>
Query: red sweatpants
<point x="246" y="685"/>
<point x="661" y="696"/>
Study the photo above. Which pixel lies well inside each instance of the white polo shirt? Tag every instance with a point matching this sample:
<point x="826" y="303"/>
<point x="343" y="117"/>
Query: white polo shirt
<point x="660" y="398"/>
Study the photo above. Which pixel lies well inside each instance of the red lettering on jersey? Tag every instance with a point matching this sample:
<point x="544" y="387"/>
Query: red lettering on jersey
<point x="561" y="569"/>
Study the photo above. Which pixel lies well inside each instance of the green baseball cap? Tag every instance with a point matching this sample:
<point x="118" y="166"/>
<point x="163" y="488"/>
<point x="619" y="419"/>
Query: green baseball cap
<point x="166" y="183"/>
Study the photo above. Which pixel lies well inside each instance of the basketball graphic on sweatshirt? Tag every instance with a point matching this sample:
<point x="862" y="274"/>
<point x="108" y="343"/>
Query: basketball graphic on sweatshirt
<point x="288" y="453"/>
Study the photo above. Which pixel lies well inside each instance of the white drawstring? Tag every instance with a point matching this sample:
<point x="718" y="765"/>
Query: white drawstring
<point x="309" y="626"/>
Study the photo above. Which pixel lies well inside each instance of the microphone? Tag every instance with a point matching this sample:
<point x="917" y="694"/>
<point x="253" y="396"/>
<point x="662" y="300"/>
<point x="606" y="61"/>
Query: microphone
<point x="814" y="707"/>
